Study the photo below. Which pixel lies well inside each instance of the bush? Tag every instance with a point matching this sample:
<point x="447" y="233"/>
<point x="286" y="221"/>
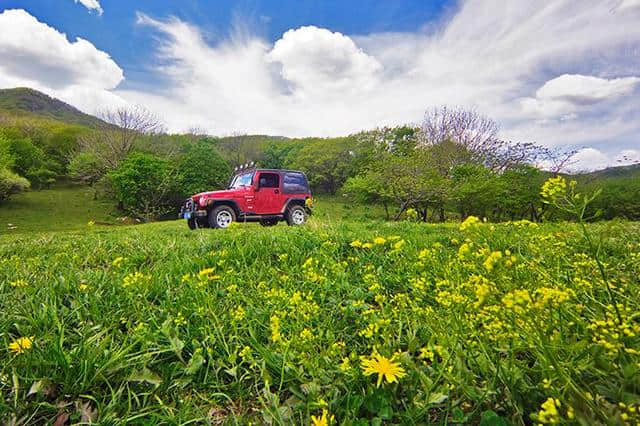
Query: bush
<point x="144" y="185"/>
<point x="11" y="183"/>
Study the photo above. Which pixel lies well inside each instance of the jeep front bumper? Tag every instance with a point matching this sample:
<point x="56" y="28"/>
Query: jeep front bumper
<point x="189" y="210"/>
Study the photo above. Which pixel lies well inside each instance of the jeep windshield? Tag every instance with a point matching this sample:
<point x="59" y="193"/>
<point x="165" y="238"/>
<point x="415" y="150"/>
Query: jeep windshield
<point x="240" y="180"/>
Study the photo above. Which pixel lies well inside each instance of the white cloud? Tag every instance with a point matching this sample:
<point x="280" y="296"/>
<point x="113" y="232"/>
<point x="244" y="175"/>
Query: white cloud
<point x="316" y="61"/>
<point x="91" y="5"/>
<point x="628" y="5"/>
<point x="562" y="96"/>
<point x="588" y="159"/>
<point x="36" y="55"/>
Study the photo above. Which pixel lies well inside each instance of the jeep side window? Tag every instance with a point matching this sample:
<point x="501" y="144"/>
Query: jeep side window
<point x="269" y="180"/>
<point x="294" y="183"/>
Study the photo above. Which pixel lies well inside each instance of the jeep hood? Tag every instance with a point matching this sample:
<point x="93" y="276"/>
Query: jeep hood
<point x="223" y="193"/>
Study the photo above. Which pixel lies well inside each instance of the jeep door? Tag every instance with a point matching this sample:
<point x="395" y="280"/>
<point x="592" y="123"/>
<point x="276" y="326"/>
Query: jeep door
<point x="268" y="195"/>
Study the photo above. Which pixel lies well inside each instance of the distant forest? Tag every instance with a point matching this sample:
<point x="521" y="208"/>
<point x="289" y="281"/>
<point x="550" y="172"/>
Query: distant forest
<point x="447" y="167"/>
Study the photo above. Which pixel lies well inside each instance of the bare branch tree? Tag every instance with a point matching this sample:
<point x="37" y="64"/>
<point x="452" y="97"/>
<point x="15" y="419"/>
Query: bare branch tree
<point x="467" y="127"/>
<point x="557" y="160"/>
<point x="472" y="137"/>
<point x="114" y="140"/>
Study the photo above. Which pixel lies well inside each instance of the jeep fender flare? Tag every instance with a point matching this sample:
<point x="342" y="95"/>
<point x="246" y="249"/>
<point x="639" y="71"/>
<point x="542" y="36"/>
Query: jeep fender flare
<point x="215" y="202"/>
<point x="291" y="202"/>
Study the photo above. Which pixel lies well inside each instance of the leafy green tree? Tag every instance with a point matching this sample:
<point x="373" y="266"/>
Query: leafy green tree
<point x="202" y="168"/>
<point x="10" y="182"/>
<point x="329" y="162"/>
<point x="276" y="155"/>
<point x="144" y="185"/>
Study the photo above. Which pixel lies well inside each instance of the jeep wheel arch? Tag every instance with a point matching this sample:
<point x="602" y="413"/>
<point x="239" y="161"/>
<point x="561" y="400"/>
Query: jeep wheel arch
<point x="224" y="202"/>
<point x="292" y="202"/>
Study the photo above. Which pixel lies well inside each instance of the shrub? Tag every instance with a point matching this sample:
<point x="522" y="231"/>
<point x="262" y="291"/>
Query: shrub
<point x="144" y="185"/>
<point x="11" y="183"/>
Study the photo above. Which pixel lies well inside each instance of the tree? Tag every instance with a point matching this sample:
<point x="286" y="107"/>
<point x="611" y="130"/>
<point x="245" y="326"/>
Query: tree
<point x="276" y="155"/>
<point x="116" y="139"/>
<point x="144" y="185"/>
<point x="88" y="169"/>
<point x="240" y="148"/>
<point x="476" y="138"/>
<point x="10" y="182"/>
<point x="201" y="169"/>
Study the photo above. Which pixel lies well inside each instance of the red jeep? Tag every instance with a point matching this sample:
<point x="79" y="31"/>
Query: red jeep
<point x="254" y="195"/>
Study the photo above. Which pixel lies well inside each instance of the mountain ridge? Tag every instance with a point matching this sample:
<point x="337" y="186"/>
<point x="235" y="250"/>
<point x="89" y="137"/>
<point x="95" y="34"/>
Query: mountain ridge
<point x="30" y="102"/>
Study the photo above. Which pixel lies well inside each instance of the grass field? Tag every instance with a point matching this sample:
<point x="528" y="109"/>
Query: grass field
<point x="154" y="323"/>
<point x="62" y="208"/>
<point x="71" y="207"/>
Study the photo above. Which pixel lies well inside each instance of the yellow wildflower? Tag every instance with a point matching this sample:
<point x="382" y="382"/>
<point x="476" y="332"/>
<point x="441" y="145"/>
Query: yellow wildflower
<point x="207" y="274"/>
<point x="552" y="188"/>
<point x="549" y="411"/>
<point x="469" y="223"/>
<point x="384" y="367"/>
<point x="492" y="260"/>
<point x="18" y="283"/>
<point x="356" y="244"/>
<point x="345" y="364"/>
<point x="379" y="240"/>
<point x="323" y="420"/>
<point x="117" y="261"/>
<point x="21" y="345"/>
<point x="136" y="279"/>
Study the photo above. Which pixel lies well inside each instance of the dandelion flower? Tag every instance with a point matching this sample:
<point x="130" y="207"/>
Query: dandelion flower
<point x="379" y="240"/>
<point x="384" y="367"/>
<point x="21" y="345"/>
<point x="323" y="420"/>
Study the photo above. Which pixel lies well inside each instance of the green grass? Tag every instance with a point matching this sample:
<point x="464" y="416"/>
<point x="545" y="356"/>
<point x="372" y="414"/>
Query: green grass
<point x="61" y="208"/>
<point x="71" y="207"/>
<point x="158" y="324"/>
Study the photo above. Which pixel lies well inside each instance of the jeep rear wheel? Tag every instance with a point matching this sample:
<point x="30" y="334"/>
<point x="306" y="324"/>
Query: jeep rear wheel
<point x="296" y="215"/>
<point x="221" y="217"/>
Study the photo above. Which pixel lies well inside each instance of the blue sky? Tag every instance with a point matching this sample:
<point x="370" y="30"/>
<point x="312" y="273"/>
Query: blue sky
<point x="131" y="46"/>
<point x="561" y="73"/>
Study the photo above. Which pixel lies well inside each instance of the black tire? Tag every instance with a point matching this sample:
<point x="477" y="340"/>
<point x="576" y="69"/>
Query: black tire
<point x="191" y="223"/>
<point x="269" y="222"/>
<point x="296" y="215"/>
<point x="221" y="217"/>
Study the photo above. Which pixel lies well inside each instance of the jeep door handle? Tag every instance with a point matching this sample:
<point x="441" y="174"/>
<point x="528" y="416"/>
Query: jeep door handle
<point x="276" y="191"/>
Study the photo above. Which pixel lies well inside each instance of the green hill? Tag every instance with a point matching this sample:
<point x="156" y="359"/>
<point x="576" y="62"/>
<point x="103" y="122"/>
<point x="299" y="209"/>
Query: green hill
<point x="24" y="101"/>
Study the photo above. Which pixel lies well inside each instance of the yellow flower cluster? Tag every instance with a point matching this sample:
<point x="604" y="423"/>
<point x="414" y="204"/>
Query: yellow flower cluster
<point x="470" y="223"/>
<point x="18" y="283"/>
<point x="553" y="188"/>
<point x="136" y="279"/>
<point x="21" y="345"/>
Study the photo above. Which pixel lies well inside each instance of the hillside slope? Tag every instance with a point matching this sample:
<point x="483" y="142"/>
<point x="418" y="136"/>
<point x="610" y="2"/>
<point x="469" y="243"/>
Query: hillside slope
<point x="23" y="101"/>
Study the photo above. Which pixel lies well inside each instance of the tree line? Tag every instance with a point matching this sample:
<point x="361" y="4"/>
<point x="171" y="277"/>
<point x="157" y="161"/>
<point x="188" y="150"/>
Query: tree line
<point x="450" y="165"/>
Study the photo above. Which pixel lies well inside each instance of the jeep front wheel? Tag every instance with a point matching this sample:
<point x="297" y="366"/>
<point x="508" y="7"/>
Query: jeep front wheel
<point x="221" y="217"/>
<point x="296" y="216"/>
<point x="192" y="224"/>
